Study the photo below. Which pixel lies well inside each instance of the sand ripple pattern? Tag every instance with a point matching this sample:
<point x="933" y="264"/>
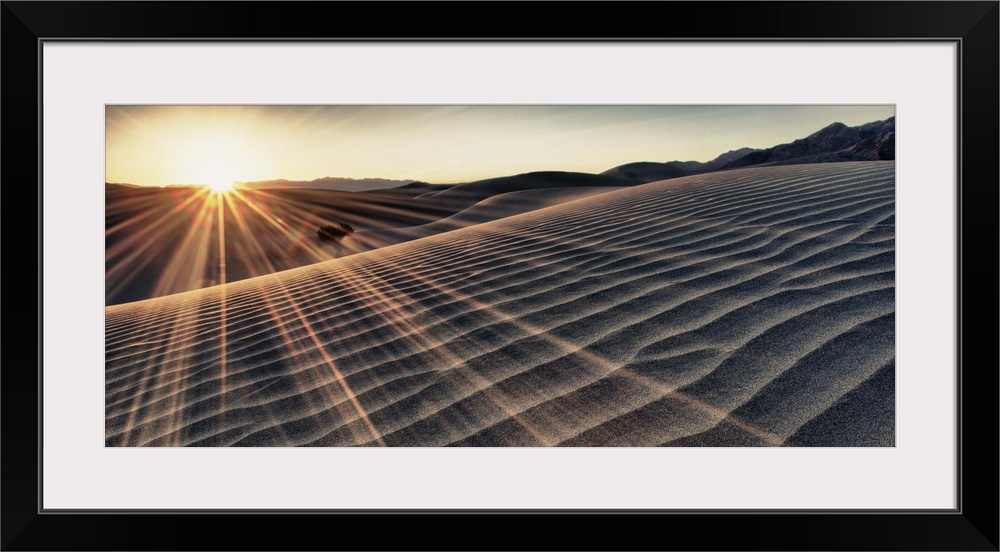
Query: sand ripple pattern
<point x="745" y="308"/>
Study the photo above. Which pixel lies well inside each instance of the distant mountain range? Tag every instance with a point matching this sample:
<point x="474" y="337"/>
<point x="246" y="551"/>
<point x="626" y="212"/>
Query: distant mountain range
<point x="835" y="143"/>
<point x="325" y="183"/>
<point x="328" y="183"/>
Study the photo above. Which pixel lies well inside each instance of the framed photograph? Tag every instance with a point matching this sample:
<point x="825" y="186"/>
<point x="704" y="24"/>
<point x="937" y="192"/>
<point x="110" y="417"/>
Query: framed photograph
<point x="691" y="277"/>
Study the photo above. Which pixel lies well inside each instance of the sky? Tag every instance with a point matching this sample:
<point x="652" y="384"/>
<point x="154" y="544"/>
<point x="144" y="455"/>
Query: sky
<point x="188" y="144"/>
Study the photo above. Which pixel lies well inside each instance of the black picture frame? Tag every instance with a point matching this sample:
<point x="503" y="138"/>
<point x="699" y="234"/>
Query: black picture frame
<point x="973" y="525"/>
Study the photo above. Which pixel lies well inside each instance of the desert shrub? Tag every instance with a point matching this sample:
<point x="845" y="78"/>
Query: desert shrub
<point x="334" y="232"/>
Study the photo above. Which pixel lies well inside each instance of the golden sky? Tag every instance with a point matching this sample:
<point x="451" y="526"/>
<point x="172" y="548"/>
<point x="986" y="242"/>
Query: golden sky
<point x="159" y="145"/>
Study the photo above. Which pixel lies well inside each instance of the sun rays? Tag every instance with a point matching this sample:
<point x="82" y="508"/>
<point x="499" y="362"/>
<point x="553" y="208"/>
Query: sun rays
<point x="178" y="239"/>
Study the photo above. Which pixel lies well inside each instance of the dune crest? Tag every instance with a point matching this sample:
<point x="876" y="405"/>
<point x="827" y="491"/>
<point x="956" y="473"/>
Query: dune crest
<point x="752" y="307"/>
<point x="492" y="208"/>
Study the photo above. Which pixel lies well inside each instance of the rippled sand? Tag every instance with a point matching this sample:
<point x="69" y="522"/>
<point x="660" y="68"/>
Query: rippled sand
<point x="744" y="308"/>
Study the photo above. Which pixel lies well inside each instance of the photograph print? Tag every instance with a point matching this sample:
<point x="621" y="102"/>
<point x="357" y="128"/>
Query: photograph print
<point x="500" y="275"/>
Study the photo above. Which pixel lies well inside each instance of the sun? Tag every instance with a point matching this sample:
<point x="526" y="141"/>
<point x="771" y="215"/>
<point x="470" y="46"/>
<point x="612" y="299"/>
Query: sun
<point x="217" y="175"/>
<point x="220" y="186"/>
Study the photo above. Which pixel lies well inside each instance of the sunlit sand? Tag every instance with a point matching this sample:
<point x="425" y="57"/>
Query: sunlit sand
<point x="752" y="307"/>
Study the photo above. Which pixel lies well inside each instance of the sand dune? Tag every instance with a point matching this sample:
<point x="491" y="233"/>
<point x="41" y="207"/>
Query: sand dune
<point x="753" y="307"/>
<point x="468" y="194"/>
<point x="156" y="245"/>
<point x="490" y="209"/>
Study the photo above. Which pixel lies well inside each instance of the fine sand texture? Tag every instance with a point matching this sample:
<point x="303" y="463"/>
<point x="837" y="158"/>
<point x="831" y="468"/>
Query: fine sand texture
<point x="752" y="307"/>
